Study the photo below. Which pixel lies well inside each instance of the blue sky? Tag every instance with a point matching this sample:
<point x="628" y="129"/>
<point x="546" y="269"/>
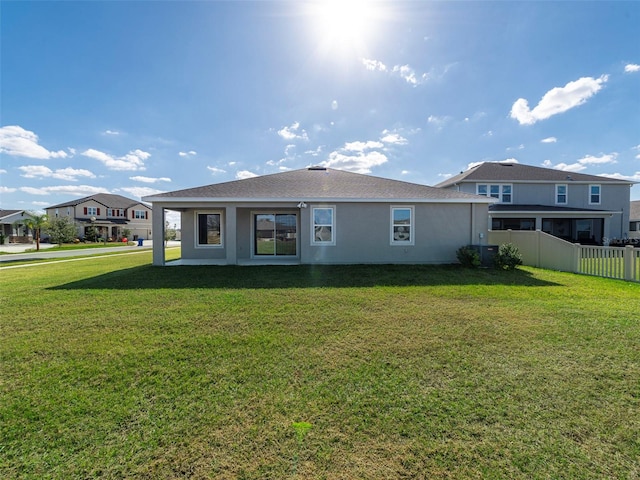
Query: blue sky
<point x="136" y="98"/>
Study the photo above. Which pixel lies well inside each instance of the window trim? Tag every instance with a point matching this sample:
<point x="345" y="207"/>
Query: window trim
<point x="501" y="192"/>
<point x="319" y="243"/>
<point x="197" y="231"/>
<point x="566" y="193"/>
<point x="599" y="202"/>
<point x="412" y="231"/>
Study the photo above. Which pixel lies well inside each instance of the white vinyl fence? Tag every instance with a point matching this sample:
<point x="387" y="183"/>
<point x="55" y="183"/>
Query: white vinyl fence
<point x="542" y="250"/>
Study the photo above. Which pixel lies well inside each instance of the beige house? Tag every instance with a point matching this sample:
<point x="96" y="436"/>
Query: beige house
<point x="108" y="215"/>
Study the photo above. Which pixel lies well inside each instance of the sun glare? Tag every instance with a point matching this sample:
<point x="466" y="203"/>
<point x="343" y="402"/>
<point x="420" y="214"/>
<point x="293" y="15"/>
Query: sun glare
<point x="344" y="24"/>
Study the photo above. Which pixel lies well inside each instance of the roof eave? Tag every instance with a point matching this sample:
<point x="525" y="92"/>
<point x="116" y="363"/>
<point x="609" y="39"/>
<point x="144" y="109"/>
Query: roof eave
<point x="479" y="199"/>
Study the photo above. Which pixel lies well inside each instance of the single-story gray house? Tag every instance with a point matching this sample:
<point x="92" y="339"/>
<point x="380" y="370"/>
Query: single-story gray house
<point x="320" y="215"/>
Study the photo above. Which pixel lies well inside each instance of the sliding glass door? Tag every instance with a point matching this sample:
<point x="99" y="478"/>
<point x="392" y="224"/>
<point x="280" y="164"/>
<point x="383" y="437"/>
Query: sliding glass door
<point x="275" y="234"/>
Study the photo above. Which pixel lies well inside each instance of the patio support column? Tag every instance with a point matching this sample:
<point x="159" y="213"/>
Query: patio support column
<point x="230" y="233"/>
<point x="157" y="214"/>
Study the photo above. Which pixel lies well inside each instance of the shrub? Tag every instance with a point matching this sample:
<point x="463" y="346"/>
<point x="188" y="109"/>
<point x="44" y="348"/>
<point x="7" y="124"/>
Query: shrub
<point x="468" y="256"/>
<point x="508" y="257"/>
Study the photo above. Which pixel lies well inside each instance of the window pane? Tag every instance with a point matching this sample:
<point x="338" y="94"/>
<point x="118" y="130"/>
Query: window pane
<point x="323" y="216"/>
<point x="265" y="234"/>
<point x="482" y="189"/>
<point x="323" y="234"/>
<point x="285" y="234"/>
<point x="402" y="216"/>
<point x="401" y="234"/>
<point x="495" y="191"/>
<point x="209" y="229"/>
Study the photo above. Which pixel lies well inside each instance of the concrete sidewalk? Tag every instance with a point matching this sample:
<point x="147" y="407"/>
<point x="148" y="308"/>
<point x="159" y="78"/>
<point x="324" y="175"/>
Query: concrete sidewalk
<point x="19" y="252"/>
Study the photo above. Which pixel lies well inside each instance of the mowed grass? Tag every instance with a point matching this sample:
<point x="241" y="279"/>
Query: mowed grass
<point x="114" y="369"/>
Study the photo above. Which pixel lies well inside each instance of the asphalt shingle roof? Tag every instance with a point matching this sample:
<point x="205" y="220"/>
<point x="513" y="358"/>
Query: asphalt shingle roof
<point x="315" y="183"/>
<point x="106" y="199"/>
<point x="6" y="213"/>
<point x="517" y="172"/>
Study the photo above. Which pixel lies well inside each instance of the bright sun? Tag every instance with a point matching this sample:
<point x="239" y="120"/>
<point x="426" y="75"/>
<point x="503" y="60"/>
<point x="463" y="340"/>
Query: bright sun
<point x="344" y="24"/>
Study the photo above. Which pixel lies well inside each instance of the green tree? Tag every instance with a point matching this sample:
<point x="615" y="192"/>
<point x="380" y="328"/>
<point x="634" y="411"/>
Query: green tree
<point x="169" y="233"/>
<point x="61" y="230"/>
<point x="36" y="223"/>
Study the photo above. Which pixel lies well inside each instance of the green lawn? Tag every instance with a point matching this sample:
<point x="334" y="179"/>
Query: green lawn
<point x="115" y="369"/>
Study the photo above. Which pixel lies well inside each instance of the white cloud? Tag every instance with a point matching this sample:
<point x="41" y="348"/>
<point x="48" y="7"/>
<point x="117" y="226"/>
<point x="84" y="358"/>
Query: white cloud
<point x="508" y="160"/>
<point x="557" y="100"/>
<point x="374" y="65"/>
<point x="632" y="178"/>
<point x="291" y="132"/>
<point x="334" y="105"/>
<point x="139" y="192"/>
<point x="406" y="72"/>
<point x="134" y="160"/>
<point x="215" y="170"/>
<point x="358" y="157"/>
<point x="2" y="170"/>
<point x="190" y="153"/>
<point x="393" y="138"/>
<point x="632" y="67"/>
<point x="549" y="140"/>
<point x="242" y="174"/>
<point x="75" y="190"/>
<point x="583" y="163"/>
<point x="637" y="148"/>
<point x="16" y="141"/>
<point x="438" y="122"/>
<point x="68" y="174"/>
<point x="7" y="189"/>
<point x="149" y="179"/>
<point x="111" y="132"/>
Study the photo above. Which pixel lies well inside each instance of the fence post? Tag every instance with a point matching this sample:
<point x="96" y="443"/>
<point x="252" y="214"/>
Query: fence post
<point x="577" y="256"/>
<point x="629" y="263"/>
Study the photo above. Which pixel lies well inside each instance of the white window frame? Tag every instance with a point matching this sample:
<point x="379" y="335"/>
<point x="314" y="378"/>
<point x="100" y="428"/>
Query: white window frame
<point x="392" y="239"/>
<point x="599" y="194"/>
<point x="566" y="194"/>
<point x="323" y="243"/>
<point x="197" y="231"/>
<point x="500" y="193"/>
<point x="92" y="211"/>
<point x="139" y="214"/>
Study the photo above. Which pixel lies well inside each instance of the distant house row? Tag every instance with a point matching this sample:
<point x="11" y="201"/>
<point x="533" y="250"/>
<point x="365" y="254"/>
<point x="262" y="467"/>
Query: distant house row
<point x="103" y="215"/>
<point x="322" y="215"/>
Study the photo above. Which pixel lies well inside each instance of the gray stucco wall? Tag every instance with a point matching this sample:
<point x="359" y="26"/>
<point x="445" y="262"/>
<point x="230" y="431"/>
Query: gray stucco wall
<point x="362" y="234"/>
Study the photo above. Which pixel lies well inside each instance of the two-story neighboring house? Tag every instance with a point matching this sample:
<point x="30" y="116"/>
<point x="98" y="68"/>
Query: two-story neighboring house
<point x="574" y="206"/>
<point x="109" y="215"/>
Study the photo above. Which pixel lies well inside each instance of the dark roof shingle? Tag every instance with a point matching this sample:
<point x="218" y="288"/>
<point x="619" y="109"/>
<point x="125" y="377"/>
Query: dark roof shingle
<point x="315" y="183"/>
<point x="517" y="172"/>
